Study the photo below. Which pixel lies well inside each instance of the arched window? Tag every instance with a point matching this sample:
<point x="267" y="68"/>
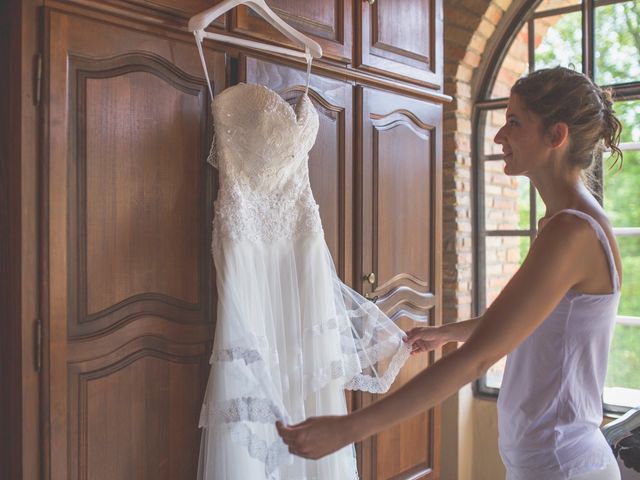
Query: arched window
<point x="602" y="39"/>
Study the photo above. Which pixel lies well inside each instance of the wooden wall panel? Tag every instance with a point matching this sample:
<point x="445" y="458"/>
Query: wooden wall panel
<point x="329" y="23"/>
<point x="402" y="39"/>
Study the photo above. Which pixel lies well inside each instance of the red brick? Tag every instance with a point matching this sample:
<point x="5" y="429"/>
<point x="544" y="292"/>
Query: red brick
<point x="472" y="59"/>
<point x="456" y="35"/>
<point x="494" y="14"/>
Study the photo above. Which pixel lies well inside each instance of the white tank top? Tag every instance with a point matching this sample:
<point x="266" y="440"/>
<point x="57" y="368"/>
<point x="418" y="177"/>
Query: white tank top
<point x="550" y="402"/>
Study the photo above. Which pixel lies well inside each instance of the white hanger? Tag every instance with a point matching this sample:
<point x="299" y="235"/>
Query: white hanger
<point x="201" y="20"/>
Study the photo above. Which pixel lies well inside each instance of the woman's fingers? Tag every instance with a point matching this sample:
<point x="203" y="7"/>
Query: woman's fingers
<point x="287" y="433"/>
<point x="414" y="335"/>
<point x="313" y="438"/>
<point x="422" y="346"/>
<point x="426" y="338"/>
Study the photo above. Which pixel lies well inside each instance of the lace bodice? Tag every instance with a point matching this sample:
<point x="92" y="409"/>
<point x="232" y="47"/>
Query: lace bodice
<point x="261" y="150"/>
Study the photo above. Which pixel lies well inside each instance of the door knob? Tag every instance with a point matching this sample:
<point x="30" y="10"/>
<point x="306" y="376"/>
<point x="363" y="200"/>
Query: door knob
<point x="371" y="2"/>
<point x="371" y="278"/>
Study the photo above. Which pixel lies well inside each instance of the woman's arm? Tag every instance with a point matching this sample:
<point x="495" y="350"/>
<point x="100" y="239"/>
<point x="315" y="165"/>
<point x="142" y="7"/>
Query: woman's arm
<point x="460" y="331"/>
<point x="425" y="339"/>
<point x="554" y="265"/>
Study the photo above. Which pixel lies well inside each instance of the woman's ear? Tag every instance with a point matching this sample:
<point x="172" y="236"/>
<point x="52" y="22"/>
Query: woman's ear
<point x="558" y="134"/>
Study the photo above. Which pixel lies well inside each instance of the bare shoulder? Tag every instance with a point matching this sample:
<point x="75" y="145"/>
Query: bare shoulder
<point x="566" y="228"/>
<point x="579" y="240"/>
<point x="572" y="222"/>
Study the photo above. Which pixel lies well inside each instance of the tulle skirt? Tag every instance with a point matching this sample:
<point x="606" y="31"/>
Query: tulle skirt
<point x="290" y="338"/>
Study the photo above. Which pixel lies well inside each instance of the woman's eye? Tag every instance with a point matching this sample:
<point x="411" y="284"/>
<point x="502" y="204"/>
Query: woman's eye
<point x="512" y="123"/>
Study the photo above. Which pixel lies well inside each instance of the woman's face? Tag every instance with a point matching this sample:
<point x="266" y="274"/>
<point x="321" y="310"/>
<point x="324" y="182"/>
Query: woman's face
<point x="524" y="144"/>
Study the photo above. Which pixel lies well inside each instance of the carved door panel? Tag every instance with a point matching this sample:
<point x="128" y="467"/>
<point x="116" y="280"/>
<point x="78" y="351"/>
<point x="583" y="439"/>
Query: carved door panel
<point x="128" y="287"/>
<point x="402" y="39"/>
<point x="399" y="207"/>
<point x="328" y="23"/>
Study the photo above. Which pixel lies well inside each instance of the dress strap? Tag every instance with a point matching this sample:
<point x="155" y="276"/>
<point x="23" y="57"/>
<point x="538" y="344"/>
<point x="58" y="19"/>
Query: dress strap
<point x="309" y="58"/>
<point x="604" y="240"/>
<point x="199" y="37"/>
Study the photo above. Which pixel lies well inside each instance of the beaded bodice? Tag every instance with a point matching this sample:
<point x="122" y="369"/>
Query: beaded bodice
<point x="262" y="148"/>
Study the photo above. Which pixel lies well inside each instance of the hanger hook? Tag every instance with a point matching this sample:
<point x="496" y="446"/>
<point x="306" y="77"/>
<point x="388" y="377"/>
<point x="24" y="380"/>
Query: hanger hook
<point x="307" y="54"/>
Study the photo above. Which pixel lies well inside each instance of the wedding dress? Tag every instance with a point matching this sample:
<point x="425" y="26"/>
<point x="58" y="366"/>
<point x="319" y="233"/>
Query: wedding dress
<point x="290" y="336"/>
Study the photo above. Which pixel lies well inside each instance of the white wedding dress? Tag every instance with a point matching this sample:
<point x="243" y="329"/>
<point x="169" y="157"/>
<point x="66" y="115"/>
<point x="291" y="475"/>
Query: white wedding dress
<point x="290" y="336"/>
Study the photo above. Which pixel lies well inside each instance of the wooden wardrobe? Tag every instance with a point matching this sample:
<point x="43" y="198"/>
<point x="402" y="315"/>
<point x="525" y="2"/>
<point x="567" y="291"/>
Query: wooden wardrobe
<point x="108" y="287"/>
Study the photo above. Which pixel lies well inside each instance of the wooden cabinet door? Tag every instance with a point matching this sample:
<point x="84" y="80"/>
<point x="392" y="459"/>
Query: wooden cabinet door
<point x="327" y="22"/>
<point x="398" y="209"/>
<point x="128" y="290"/>
<point x="401" y="39"/>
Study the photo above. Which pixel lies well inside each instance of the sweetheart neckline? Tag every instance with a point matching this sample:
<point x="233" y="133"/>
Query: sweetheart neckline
<point x="279" y="98"/>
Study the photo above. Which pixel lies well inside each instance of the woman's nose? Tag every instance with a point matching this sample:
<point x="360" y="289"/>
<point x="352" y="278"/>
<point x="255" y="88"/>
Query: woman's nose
<point x="499" y="138"/>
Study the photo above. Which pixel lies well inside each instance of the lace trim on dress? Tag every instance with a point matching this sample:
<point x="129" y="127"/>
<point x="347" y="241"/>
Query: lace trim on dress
<point x="367" y="383"/>
<point x="236" y="353"/>
<point x="235" y="413"/>
<point x="250" y="409"/>
<point x="273" y="456"/>
<point x="359" y="355"/>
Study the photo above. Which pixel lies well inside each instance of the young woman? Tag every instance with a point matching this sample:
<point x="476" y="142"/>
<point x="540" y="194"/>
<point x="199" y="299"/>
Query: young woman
<point x="555" y="316"/>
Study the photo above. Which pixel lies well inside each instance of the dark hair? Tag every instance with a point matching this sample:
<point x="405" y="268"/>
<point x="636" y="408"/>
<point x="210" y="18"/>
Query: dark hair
<point x="563" y="95"/>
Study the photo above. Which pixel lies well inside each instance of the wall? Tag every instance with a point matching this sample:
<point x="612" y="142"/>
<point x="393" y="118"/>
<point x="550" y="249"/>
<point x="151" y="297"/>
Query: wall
<point x="469" y="424"/>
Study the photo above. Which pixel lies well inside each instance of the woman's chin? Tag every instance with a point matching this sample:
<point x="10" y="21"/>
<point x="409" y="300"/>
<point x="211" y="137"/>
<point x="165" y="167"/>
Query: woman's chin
<point x="511" y="170"/>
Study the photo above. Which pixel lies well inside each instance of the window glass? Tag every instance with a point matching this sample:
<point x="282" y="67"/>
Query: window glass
<point x="622" y="191"/>
<point x="560" y="41"/>
<point x="617" y="42"/>
<point x="553" y="4"/>
<point x="503" y="257"/>
<point x="506" y="199"/>
<point x="491" y="121"/>
<point x="630" y="254"/>
<point x="622" y="385"/>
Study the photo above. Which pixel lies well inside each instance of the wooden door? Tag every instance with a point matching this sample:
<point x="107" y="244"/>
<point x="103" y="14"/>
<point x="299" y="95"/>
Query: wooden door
<point x="398" y="211"/>
<point x="327" y="22"/>
<point x="128" y="286"/>
<point x="401" y="39"/>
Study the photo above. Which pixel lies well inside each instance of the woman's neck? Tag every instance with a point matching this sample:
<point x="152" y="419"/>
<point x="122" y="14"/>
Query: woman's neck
<point x="559" y="191"/>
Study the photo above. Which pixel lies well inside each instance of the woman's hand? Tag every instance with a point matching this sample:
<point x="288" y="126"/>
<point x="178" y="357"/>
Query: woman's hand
<point x="425" y="339"/>
<point x="316" y="436"/>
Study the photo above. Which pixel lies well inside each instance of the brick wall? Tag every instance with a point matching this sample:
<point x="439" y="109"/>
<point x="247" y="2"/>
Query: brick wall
<point x="468" y="25"/>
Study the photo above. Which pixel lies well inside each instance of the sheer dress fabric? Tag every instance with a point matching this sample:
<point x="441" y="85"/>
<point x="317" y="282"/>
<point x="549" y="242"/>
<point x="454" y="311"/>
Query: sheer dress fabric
<point x="290" y="337"/>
